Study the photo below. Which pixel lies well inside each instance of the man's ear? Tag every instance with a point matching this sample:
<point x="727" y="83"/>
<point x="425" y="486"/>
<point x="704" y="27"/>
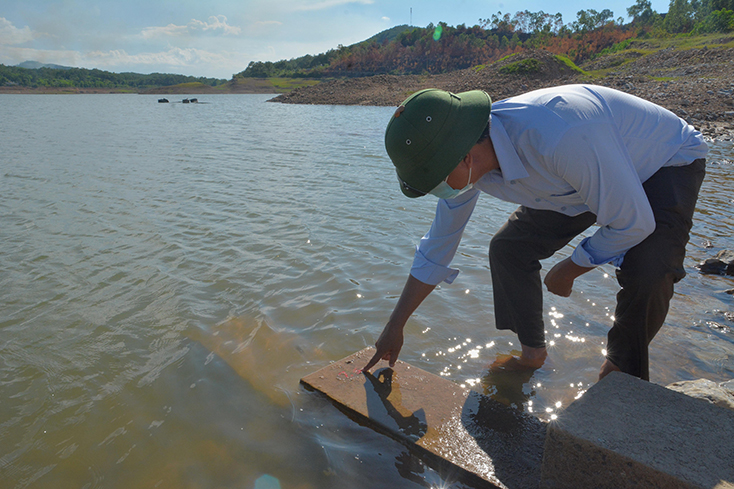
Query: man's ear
<point x="468" y="160"/>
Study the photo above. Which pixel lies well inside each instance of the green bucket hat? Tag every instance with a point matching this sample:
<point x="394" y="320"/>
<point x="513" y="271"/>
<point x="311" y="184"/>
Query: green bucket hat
<point x="431" y="132"/>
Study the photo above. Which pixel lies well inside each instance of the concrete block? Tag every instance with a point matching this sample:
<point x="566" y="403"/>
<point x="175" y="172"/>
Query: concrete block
<point x="453" y="429"/>
<point x="625" y="432"/>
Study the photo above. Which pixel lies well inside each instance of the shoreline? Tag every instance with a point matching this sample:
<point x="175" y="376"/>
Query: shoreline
<point x="696" y="84"/>
<point x="64" y="91"/>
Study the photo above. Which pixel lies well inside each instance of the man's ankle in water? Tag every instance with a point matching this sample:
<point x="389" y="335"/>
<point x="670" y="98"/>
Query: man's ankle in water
<point x="533" y="357"/>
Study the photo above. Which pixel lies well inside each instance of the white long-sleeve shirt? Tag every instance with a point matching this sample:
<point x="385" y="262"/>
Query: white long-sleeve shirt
<point x="570" y="149"/>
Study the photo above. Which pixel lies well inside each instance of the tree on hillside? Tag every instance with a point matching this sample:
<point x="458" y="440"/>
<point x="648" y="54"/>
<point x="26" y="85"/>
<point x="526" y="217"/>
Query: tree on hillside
<point x="713" y="15"/>
<point x="642" y="13"/>
<point x="588" y="20"/>
<point x="703" y="8"/>
<point x="537" y="22"/>
<point x="503" y="25"/>
<point x="679" y="17"/>
<point x="524" y="21"/>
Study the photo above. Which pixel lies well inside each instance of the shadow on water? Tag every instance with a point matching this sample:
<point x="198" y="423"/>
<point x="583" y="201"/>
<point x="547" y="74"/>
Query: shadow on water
<point x="497" y="420"/>
<point x="513" y="440"/>
<point x="507" y="386"/>
<point x="492" y="439"/>
<point x="411" y="424"/>
<point x="385" y="406"/>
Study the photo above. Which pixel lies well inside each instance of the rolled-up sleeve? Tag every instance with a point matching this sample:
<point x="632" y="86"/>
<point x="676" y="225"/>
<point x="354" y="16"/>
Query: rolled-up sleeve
<point x="593" y="160"/>
<point x="437" y="248"/>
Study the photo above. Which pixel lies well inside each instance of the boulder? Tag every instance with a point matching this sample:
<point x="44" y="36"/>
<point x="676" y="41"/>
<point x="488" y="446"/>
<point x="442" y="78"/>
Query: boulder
<point x="719" y="394"/>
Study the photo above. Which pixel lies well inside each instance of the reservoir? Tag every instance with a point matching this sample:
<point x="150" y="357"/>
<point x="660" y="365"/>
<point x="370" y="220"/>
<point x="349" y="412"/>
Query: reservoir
<point x="168" y="273"/>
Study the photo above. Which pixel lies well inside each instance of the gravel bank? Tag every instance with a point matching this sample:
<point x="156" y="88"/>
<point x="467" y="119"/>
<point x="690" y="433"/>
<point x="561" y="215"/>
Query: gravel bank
<point x="696" y="84"/>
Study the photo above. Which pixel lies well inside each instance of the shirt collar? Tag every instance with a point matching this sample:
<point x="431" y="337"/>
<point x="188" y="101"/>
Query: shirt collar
<point x="510" y="164"/>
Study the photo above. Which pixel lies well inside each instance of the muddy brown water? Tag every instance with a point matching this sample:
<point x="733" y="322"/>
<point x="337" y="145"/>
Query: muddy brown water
<point x="169" y="272"/>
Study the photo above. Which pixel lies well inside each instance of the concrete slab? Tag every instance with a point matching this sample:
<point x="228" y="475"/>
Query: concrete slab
<point x="625" y="432"/>
<point x="483" y="442"/>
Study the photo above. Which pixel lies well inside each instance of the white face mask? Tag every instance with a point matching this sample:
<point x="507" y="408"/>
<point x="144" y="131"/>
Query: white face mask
<point x="444" y="191"/>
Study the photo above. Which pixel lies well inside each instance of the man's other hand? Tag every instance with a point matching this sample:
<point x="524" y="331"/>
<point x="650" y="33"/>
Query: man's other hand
<point x="559" y="279"/>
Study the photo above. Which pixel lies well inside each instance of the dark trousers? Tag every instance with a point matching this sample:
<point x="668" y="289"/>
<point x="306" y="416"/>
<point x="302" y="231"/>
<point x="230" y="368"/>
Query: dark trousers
<point x="646" y="276"/>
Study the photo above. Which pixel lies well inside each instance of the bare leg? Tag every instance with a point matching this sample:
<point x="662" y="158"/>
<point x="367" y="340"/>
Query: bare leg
<point x="606" y="368"/>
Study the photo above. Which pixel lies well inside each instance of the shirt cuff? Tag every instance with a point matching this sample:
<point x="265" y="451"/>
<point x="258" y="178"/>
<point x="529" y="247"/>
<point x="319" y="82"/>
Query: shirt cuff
<point x="431" y="273"/>
<point x="585" y="256"/>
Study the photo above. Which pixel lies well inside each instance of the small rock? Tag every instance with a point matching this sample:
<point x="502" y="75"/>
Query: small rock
<point x="722" y="264"/>
<point x="712" y="266"/>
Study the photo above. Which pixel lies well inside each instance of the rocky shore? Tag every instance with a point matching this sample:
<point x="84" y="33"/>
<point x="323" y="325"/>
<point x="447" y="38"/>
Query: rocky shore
<point x="696" y="84"/>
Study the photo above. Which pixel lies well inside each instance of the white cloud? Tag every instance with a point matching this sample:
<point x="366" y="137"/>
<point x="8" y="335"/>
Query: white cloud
<point x="331" y="3"/>
<point x="169" y="30"/>
<point x="386" y="19"/>
<point x="172" y="57"/>
<point x="214" y="24"/>
<point x="11" y="35"/>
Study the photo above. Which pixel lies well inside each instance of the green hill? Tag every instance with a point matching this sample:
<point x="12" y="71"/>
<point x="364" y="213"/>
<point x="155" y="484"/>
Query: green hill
<point x="314" y="66"/>
<point x="405" y="50"/>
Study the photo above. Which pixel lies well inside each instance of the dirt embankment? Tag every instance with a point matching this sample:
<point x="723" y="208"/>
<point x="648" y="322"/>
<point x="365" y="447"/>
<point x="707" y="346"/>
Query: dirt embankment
<point x="696" y="84"/>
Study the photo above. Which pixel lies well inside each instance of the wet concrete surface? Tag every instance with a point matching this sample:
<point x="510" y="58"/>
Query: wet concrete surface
<point x="450" y="427"/>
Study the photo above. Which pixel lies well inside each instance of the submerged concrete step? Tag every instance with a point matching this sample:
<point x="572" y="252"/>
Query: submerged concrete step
<point x="625" y="432"/>
<point x="450" y="427"/>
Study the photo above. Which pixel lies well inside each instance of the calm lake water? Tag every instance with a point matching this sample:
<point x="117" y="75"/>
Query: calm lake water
<point x="169" y="272"/>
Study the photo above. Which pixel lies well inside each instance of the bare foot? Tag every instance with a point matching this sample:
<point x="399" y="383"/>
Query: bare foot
<point x="529" y="359"/>
<point x="606" y="368"/>
<point x="509" y="363"/>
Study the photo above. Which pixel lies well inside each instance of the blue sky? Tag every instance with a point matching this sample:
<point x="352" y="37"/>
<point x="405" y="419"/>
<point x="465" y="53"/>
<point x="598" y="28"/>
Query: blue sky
<point x="217" y="38"/>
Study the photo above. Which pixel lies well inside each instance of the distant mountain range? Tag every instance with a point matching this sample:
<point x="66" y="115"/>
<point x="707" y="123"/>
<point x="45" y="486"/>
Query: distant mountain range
<point x="34" y="65"/>
<point x="386" y="35"/>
